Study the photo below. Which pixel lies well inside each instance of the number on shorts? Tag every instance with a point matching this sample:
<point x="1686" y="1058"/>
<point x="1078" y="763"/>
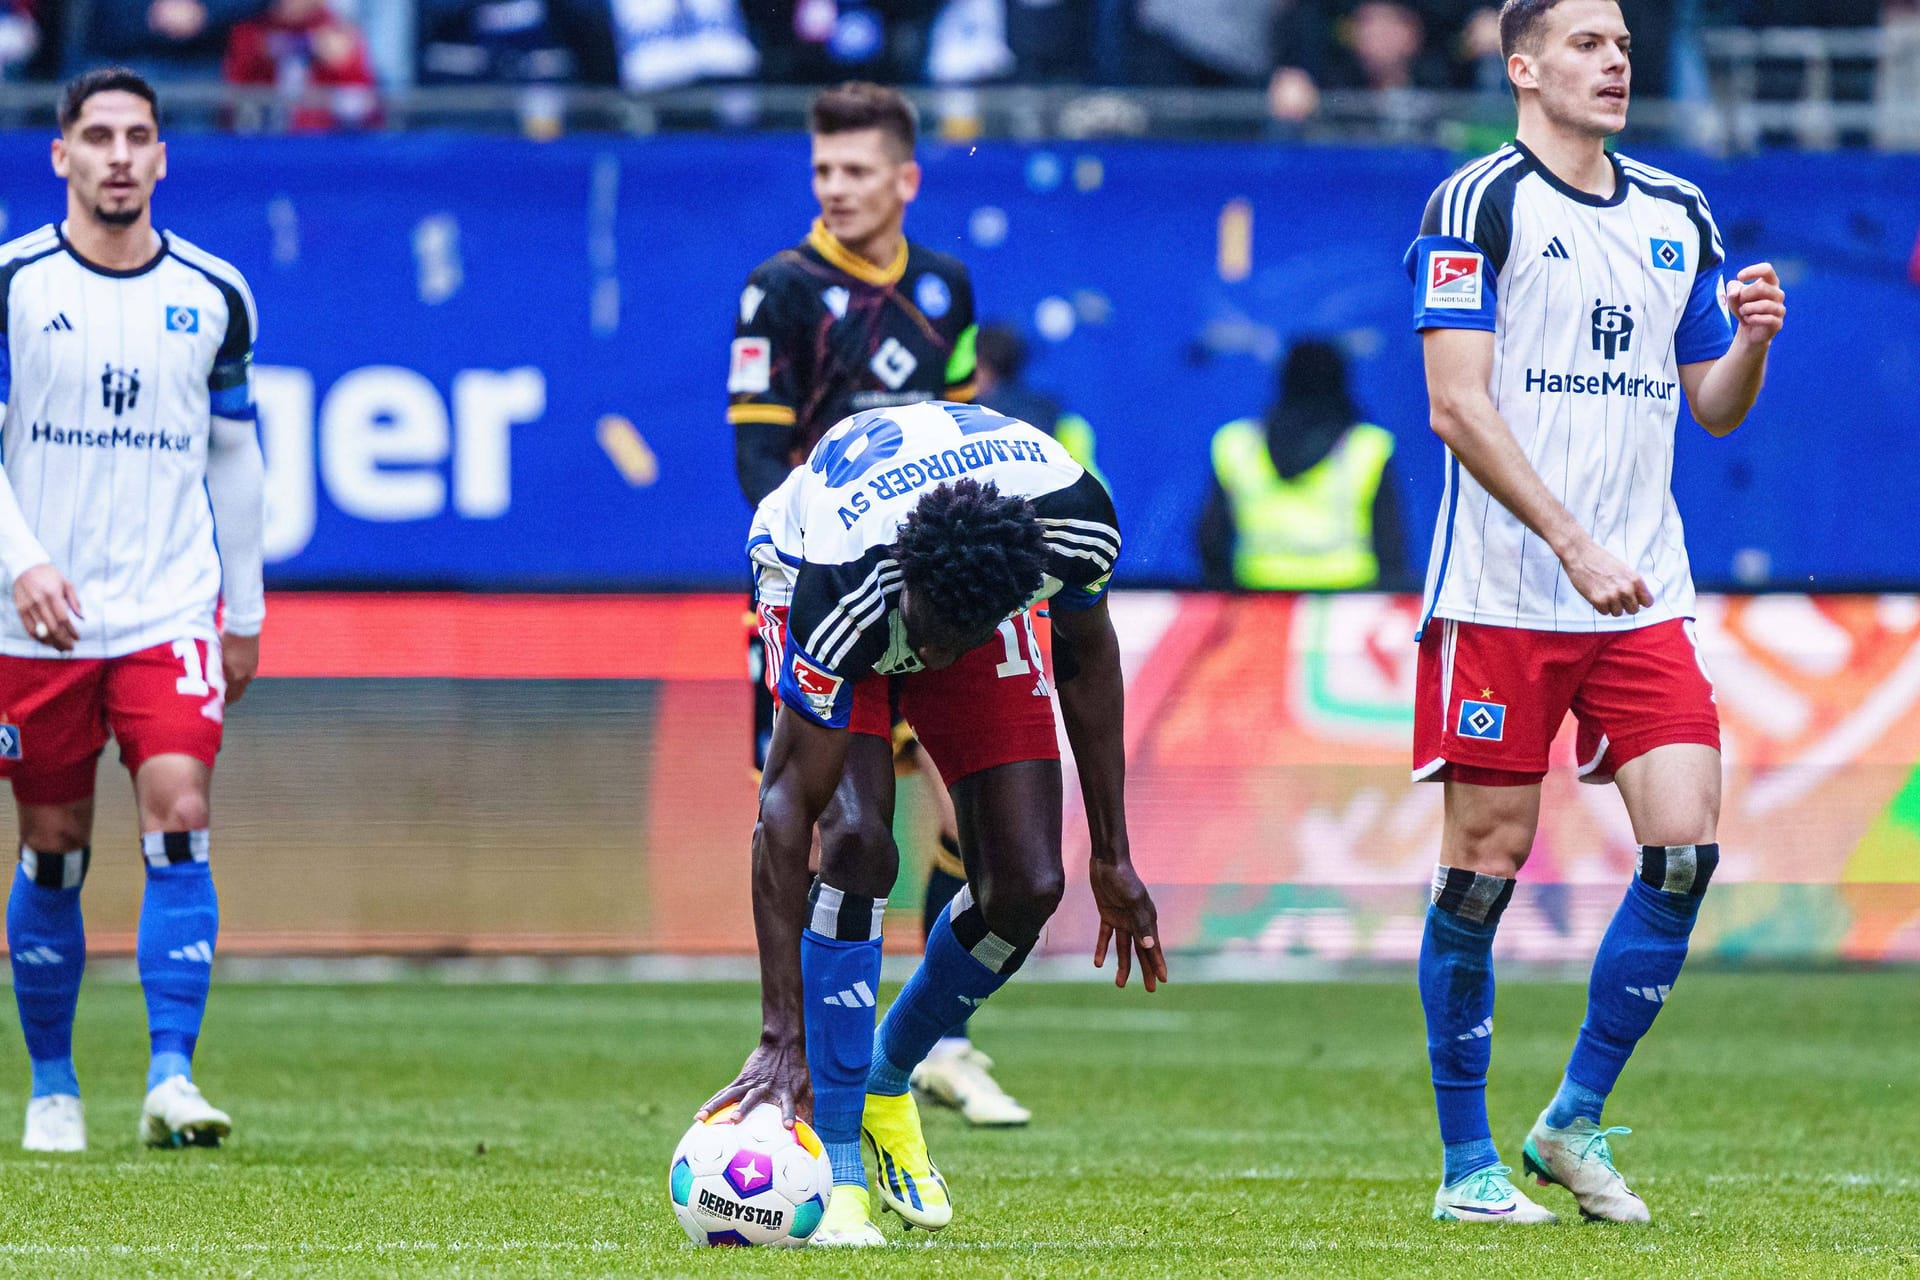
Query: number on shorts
<point x="201" y="677"/>
<point x="1016" y="633"/>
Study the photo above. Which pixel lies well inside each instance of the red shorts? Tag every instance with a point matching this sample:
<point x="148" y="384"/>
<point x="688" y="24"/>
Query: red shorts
<point x="992" y="707"/>
<point x="1491" y="699"/>
<point x="57" y="714"/>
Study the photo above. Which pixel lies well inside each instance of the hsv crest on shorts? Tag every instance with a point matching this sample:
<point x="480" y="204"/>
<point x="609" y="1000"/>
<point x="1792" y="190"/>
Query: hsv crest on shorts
<point x="1453" y="280"/>
<point x="9" y="742"/>
<point x="1482" y="721"/>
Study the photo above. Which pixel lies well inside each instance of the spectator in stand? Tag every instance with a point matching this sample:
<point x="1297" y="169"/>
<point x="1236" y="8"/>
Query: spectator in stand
<point x="828" y="41"/>
<point x="19" y="38"/>
<point x="1214" y="43"/>
<point x="1382" y="45"/>
<point x="314" y="59"/>
<point x="528" y="42"/>
<point x="161" y="39"/>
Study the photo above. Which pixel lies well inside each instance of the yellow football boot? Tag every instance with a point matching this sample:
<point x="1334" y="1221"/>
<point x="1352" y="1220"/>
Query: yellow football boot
<point x="848" y="1223"/>
<point x="909" y="1185"/>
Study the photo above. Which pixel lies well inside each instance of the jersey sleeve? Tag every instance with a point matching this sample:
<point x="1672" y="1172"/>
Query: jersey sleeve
<point x="230" y="383"/>
<point x="961" y="365"/>
<point x="1082" y="536"/>
<point x="770" y="347"/>
<point x="837" y="629"/>
<point x="1706" y="326"/>
<point x="1456" y="260"/>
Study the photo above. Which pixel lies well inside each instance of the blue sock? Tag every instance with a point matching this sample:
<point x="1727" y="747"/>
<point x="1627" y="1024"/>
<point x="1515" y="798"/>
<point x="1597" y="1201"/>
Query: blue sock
<point x="942" y="885"/>
<point x="179" y="927"/>
<point x="49" y="944"/>
<point x="840" y="976"/>
<point x="965" y="963"/>
<point x="1637" y="965"/>
<point x="1456" y="991"/>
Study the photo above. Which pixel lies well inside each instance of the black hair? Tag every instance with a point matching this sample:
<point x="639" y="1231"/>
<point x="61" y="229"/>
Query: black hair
<point x="1520" y="21"/>
<point x="1002" y="350"/>
<point x="860" y="104"/>
<point x="973" y="555"/>
<point x="74" y="95"/>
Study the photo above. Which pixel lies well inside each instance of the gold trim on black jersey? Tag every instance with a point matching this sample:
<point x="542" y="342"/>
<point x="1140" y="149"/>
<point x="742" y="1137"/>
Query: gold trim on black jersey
<point x="775" y="415"/>
<point x="824" y="243"/>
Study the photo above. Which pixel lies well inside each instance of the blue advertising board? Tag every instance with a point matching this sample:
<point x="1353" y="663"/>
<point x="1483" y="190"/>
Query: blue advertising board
<point x="492" y="363"/>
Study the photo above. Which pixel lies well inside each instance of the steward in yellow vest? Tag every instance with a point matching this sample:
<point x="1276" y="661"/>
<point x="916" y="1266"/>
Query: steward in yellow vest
<point x="1303" y="500"/>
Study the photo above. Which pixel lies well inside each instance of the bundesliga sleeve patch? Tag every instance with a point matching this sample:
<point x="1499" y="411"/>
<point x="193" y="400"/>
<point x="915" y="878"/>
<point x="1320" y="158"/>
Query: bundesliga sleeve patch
<point x="751" y="370"/>
<point x="819" y="687"/>
<point x="1454" y="280"/>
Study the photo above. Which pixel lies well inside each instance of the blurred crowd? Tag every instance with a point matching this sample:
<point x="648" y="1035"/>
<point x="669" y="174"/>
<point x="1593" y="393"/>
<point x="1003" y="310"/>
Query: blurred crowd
<point x="1296" y="50"/>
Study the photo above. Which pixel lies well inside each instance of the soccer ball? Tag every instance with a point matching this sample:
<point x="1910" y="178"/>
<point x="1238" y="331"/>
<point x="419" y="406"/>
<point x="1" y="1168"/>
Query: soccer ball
<point x="754" y="1182"/>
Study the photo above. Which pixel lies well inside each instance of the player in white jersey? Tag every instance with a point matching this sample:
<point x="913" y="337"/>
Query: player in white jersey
<point x="1567" y="298"/>
<point x="906" y="548"/>
<point x="129" y="436"/>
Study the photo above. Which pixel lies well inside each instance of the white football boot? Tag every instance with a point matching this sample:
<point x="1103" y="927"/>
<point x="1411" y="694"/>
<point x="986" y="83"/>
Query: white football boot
<point x="955" y="1074"/>
<point x="1579" y="1159"/>
<point x="848" y="1223"/>
<point x="1487" y="1196"/>
<point x="55" y="1123"/>
<point x="176" y="1115"/>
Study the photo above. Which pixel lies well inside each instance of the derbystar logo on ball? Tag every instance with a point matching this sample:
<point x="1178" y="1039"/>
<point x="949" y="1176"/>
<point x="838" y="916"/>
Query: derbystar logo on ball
<point x="1453" y="280"/>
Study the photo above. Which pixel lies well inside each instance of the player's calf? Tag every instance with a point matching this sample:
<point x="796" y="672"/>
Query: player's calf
<point x="840" y="980"/>
<point x="48" y="942"/>
<point x="179" y="929"/>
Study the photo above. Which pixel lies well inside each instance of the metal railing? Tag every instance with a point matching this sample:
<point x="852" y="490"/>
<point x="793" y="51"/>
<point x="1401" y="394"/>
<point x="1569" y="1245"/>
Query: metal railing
<point x="1736" y="116"/>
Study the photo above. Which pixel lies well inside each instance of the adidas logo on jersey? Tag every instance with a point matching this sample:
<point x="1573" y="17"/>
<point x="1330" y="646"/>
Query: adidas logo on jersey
<point x="1556" y="250"/>
<point x="59" y="324"/>
<point x="1480" y="1032"/>
<point x="1657" y="995"/>
<point x="861" y="997"/>
<point x="200" y="952"/>
<point x="40" y="955"/>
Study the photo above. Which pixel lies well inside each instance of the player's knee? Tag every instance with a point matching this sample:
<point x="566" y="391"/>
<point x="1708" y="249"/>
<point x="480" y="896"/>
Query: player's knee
<point x="1491" y="842"/>
<point x="1018" y="902"/>
<point x="1683" y="870"/>
<point x="181" y="811"/>
<point x="52" y="829"/>
<point x="858" y="855"/>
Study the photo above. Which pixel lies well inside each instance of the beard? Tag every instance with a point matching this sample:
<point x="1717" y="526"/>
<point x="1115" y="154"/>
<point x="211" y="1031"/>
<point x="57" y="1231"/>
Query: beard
<point x="119" y="217"/>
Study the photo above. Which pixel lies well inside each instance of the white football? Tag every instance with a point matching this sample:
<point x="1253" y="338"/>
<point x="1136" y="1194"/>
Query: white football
<point x="751" y="1182"/>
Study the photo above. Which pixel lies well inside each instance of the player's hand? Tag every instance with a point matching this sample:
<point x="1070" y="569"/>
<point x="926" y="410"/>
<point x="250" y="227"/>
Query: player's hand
<point x="1127" y="921"/>
<point x="44" y="598"/>
<point x="775" y="1072"/>
<point x="1606" y="581"/>
<point x="239" y="663"/>
<point x="1757" y="304"/>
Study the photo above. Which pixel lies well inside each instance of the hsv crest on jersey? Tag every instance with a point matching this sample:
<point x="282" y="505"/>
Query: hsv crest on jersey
<point x="1482" y="721"/>
<point x="819" y="687"/>
<point x="1454" y="280"/>
<point x="1612" y="328"/>
<point x="752" y="370"/>
<point x="1669" y="255"/>
<point x="183" y="320"/>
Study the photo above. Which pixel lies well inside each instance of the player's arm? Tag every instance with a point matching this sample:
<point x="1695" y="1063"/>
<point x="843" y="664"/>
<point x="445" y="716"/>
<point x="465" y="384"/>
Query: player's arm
<point x="804" y="763"/>
<point x="236" y="490"/>
<point x="1722" y="391"/>
<point x="1093" y="704"/>
<point x="1459" y="370"/>
<point x="41" y="592"/>
<point x="763" y="384"/>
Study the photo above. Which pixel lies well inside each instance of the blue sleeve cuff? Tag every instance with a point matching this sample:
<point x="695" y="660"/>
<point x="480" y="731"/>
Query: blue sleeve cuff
<point x="813" y="691"/>
<point x="1706" y="327"/>
<point x="233" y="402"/>
<point x="1455" y="286"/>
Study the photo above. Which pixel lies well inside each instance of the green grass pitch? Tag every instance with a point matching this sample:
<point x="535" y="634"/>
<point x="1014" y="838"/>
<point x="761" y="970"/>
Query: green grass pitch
<point x="428" y="1129"/>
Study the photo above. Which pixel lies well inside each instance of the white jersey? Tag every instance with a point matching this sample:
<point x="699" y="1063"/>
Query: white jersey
<point x="822" y="542"/>
<point x="110" y="381"/>
<point x="1594" y="303"/>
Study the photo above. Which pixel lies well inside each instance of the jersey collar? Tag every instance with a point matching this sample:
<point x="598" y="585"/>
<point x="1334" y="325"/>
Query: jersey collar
<point x="125" y="273"/>
<point x="829" y="247"/>
<point x="1574" y="193"/>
